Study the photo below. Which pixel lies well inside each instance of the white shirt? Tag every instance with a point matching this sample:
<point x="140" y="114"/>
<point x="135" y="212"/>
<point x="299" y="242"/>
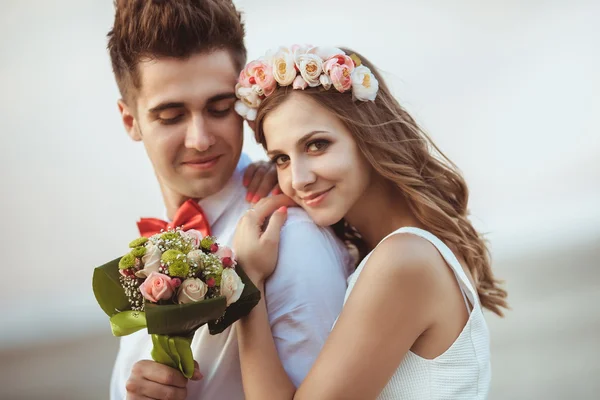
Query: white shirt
<point x="304" y="297"/>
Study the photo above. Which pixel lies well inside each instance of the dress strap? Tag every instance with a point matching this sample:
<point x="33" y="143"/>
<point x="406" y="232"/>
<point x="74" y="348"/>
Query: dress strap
<point x="449" y="257"/>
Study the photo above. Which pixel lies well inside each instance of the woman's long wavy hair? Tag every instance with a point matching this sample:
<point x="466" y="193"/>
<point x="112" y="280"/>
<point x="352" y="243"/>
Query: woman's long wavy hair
<point x="403" y="154"/>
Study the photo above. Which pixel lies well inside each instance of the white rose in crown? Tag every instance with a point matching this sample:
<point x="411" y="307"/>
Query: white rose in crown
<point x="231" y="285"/>
<point x="284" y="67"/>
<point x="364" y="84"/>
<point x="246" y="112"/>
<point x="248" y="103"/>
<point x="249" y="96"/>
<point x="258" y="90"/>
<point x="151" y="260"/>
<point x="310" y="67"/>
<point x="252" y="113"/>
<point x="191" y="290"/>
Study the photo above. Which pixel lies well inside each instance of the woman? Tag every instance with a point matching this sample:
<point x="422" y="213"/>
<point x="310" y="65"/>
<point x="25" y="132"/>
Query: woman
<point x="412" y="325"/>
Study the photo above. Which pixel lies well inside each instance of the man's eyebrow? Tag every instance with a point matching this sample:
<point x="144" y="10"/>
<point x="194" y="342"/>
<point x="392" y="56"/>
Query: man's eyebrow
<point x="221" y="96"/>
<point x="165" y="106"/>
<point x="174" y="104"/>
<point x="300" y="141"/>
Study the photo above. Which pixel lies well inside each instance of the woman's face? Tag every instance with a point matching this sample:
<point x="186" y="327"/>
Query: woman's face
<point x="318" y="162"/>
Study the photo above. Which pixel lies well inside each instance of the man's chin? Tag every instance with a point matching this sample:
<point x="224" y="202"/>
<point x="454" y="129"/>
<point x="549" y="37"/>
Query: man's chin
<point x="200" y="188"/>
<point x="199" y="183"/>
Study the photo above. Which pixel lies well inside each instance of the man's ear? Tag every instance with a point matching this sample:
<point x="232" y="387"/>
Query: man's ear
<point x="129" y="121"/>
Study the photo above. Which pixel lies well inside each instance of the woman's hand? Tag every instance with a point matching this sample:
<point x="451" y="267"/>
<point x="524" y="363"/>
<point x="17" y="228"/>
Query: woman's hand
<point x="257" y="246"/>
<point x="260" y="178"/>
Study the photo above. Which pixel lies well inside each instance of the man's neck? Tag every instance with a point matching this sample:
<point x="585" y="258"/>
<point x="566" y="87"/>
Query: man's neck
<point x="172" y="202"/>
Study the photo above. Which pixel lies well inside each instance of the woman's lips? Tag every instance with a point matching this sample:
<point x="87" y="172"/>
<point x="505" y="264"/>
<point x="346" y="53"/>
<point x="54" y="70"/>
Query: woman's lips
<point x="316" y="199"/>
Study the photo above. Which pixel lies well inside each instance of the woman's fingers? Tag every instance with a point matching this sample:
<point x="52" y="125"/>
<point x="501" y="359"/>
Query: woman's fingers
<point x="267" y="206"/>
<point x="271" y="235"/>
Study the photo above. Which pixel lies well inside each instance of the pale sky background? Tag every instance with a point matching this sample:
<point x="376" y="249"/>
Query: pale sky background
<point x="510" y="91"/>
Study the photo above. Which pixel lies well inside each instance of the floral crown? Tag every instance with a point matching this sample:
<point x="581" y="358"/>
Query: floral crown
<point x="301" y="67"/>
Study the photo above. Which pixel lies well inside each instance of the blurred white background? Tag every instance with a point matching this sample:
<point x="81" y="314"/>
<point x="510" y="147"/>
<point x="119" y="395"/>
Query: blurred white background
<point x="510" y="90"/>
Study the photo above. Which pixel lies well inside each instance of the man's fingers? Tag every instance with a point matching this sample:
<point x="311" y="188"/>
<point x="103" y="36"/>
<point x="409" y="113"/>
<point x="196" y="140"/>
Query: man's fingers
<point x="196" y="376"/>
<point x="140" y="387"/>
<point x="162" y="374"/>
<point x="249" y="173"/>
<point x="276" y="190"/>
<point x="273" y="230"/>
<point x="138" y="397"/>
<point x="255" y="182"/>
<point x="155" y="390"/>
<point x="269" y="181"/>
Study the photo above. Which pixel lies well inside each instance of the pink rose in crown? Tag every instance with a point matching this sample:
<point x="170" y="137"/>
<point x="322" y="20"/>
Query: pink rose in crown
<point x="341" y="77"/>
<point x="244" y="79"/>
<point x="338" y="61"/>
<point x="157" y="287"/>
<point x="340" y="69"/>
<point x="261" y="74"/>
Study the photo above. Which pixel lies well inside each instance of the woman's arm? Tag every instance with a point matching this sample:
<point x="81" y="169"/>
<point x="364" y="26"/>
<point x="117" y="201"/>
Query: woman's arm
<point x="391" y="305"/>
<point x="259" y="359"/>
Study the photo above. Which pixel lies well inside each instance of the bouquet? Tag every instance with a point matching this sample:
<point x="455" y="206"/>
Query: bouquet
<point x="172" y="283"/>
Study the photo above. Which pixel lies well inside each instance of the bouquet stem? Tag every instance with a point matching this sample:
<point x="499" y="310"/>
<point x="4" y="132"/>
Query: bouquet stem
<point x="175" y="352"/>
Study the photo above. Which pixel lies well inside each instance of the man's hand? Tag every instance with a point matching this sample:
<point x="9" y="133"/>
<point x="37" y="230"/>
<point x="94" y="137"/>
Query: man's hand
<point x="151" y="380"/>
<point x="260" y="178"/>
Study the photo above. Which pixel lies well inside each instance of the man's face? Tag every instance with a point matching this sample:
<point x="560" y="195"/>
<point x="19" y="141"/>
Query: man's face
<point x="186" y="119"/>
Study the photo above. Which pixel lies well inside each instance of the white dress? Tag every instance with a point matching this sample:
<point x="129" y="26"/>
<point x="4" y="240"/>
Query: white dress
<point x="461" y="372"/>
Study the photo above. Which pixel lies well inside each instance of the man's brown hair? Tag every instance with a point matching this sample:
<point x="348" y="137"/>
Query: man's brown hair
<point x="147" y="29"/>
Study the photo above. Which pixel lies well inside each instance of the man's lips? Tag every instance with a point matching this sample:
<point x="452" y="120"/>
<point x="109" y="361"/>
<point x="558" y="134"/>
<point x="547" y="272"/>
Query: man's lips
<point x="202" y="163"/>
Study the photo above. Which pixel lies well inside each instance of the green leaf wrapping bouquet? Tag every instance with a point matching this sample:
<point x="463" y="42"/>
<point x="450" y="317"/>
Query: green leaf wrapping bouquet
<point x="172" y="283"/>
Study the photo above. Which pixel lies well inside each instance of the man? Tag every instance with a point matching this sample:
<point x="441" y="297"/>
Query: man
<point x="176" y="64"/>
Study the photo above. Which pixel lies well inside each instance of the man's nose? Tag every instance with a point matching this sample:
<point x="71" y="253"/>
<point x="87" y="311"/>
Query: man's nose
<point x="198" y="136"/>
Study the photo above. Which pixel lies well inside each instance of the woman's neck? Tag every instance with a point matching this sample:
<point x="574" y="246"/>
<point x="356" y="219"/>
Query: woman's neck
<point x="382" y="210"/>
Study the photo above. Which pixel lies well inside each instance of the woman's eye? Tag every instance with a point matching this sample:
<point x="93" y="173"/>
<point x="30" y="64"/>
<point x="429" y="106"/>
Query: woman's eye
<point x="317" y="145"/>
<point x="280" y="160"/>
